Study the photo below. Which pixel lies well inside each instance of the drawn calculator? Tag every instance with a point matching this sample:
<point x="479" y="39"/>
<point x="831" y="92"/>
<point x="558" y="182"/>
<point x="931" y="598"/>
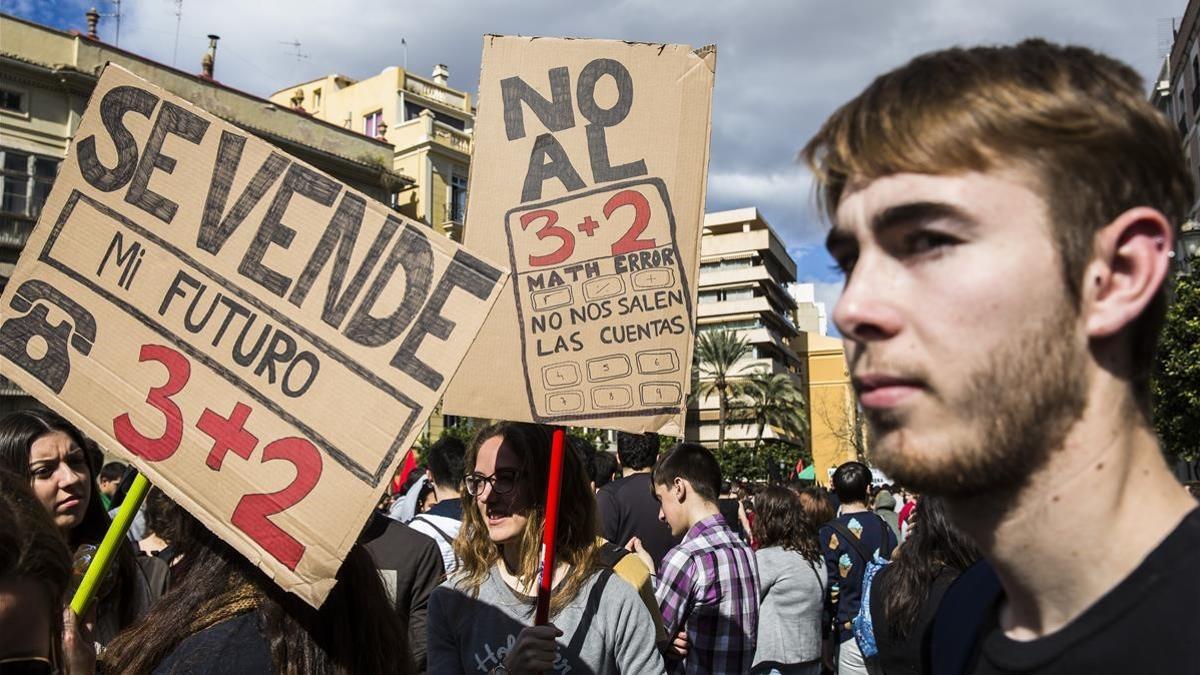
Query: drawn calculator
<point x="603" y="303"/>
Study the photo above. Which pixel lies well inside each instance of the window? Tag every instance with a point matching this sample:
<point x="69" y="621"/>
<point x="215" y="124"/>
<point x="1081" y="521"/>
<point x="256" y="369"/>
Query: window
<point x="458" y="198"/>
<point x="27" y="180"/>
<point x="316" y="98"/>
<point x="413" y="110"/>
<point x="371" y="123"/>
<point x="745" y="324"/>
<point x="12" y="100"/>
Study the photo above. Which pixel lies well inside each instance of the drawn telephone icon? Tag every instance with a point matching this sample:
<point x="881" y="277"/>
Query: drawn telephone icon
<point x="33" y="299"/>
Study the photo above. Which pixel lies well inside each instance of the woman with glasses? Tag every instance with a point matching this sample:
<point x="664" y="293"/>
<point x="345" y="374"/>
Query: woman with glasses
<point x="482" y="618"/>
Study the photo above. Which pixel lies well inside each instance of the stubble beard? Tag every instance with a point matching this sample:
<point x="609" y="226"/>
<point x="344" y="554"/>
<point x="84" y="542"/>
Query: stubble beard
<point x="1013" y="413"/>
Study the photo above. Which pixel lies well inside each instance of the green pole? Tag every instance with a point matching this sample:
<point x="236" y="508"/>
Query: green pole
<point x="107" y="553"/>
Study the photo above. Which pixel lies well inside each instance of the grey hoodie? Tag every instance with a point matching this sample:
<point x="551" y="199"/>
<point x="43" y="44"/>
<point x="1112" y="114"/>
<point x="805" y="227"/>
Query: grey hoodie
<point x="885" y="508"/>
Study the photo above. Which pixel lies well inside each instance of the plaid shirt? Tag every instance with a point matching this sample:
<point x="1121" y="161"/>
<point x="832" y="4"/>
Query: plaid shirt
<point x="709" y="584"/>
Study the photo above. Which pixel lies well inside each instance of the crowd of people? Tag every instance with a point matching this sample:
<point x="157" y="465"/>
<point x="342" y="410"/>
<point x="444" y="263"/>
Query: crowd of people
<point x="1003" y="217"/>
<point x="650" y="576"/>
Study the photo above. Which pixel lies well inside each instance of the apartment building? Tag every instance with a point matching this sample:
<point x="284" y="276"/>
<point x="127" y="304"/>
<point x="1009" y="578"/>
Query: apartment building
<point x="46" y="78"/>
<point x="1176" y="93"/>
<point x="427" y="122"/>
<point x="744" y="273"/>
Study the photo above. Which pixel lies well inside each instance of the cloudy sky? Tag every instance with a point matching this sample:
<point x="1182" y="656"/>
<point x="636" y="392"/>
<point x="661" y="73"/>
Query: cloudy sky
<point x="783" y="65"/>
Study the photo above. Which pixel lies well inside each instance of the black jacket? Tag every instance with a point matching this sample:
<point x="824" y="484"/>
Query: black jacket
<point x="412" y="562"/>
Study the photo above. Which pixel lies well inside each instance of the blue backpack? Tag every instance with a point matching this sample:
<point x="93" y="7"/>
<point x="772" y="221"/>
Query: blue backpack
<point x="861" y="625"/>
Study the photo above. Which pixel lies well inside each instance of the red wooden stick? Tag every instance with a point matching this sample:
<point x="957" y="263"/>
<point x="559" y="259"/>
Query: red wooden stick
<point x="558" y="443"/>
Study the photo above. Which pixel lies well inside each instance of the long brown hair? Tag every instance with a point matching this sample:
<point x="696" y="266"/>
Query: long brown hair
<point x="31" y="549"/>
<point x="578" y="527"/>
<point x="933" y="546"/>
<point x="355" y="631"/>
<point x="779" y="520"/>
<point x="18" y="432"/>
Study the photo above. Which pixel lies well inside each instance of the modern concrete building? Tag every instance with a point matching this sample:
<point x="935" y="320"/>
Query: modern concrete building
<point x="428" y="123"/>
<point x="46" y="78"/>
<point x="744" y="273"/>
<point x="810" y="315"/>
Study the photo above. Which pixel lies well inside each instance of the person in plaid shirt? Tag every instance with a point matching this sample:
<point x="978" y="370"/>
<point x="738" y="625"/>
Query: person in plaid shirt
<point x="707" y="586"/>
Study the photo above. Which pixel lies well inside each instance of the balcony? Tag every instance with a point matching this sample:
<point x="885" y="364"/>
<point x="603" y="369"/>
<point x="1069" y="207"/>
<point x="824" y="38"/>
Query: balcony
<point x="14" y="231"/>
<point x="435" y="92"/>
<point x="425" y="129"/>
<point x="734" y="307"/>
<point x="764" y="241"/>
<point x="738" y="275"/>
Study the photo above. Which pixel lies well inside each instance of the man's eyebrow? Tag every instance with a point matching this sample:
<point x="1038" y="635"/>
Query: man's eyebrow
<point x="909" y="213"/>
<point x="917" y="213"/>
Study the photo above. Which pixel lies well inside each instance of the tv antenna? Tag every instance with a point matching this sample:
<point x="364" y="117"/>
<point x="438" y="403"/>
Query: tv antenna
<point x="115" y="14"/>
<point x="178" y="20"/>
<point x="295" y="44"/>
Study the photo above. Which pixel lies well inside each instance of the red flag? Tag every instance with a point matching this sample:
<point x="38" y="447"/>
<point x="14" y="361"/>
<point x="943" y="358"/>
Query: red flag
<point x="406" y="467"/>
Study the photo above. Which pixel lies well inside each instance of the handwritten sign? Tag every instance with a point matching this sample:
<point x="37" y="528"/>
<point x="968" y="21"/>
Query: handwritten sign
<point x="589" y="171"/>
<point x="262" y="341"/>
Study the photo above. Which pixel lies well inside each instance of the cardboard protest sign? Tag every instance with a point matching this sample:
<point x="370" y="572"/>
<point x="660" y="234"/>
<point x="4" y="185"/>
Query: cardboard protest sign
<point x="589" y="174"/>
<point x="262" y="341"/>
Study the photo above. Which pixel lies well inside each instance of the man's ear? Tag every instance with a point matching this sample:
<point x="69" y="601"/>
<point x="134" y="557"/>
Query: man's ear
<point x="679" y="489"/>
<point x="1132" y="257"/>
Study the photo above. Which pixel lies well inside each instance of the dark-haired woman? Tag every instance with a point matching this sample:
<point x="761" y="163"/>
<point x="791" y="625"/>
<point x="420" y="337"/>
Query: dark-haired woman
<point x="225" y="616"/>
<point x="481" y="619"/>
<point x="905" y="594"/>
<point x="51" y="453"/>
<point x="792" y="580"/>
<point x="36" y="635"/>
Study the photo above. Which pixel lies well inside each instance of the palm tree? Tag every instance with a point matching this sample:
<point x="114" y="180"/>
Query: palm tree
<point x="716" y="354"/>
<point x="774" y="399"/>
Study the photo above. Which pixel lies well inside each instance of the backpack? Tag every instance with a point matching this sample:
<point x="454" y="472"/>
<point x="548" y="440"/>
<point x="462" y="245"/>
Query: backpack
<point x="864" y="628"/>
<point x="961" y="617"/>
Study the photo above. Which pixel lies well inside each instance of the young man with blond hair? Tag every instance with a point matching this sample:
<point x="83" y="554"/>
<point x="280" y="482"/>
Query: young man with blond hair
<point x="1005" y="219"/>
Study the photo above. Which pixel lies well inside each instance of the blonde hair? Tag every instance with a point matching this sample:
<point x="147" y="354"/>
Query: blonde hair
<point x="578" y="527"/>
<point x="1077" y="120"/>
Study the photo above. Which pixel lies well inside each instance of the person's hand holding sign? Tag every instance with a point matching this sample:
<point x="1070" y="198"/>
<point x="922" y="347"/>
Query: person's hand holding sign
<point x="534" y="651"/>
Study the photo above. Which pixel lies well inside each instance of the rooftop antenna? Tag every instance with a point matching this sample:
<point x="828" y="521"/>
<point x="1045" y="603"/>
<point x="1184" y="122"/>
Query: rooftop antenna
<point x="404" y="43"/>
<point x="116" y="14"/>
<point x="295" y="44"/>
<point x="178" y="20"/>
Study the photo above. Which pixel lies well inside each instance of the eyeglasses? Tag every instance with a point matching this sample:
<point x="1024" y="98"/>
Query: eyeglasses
<point x="502" y="482"/>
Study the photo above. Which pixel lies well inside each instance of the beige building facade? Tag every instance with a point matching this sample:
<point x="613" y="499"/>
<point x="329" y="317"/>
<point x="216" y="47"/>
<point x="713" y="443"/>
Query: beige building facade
<point x="46" y="78"/>
<point x="427" y="122"/>
<point x="744" y="273"/>
<point x="836" y="430"/>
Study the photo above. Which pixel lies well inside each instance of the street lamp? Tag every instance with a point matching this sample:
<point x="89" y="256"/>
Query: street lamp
<point x="1189" y="245"/>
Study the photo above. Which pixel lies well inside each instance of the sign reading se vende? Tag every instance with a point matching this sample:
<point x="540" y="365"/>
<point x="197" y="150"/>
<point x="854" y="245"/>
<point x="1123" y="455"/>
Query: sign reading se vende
<point x="589" y="173"/>
<point x="259" y="339"/>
